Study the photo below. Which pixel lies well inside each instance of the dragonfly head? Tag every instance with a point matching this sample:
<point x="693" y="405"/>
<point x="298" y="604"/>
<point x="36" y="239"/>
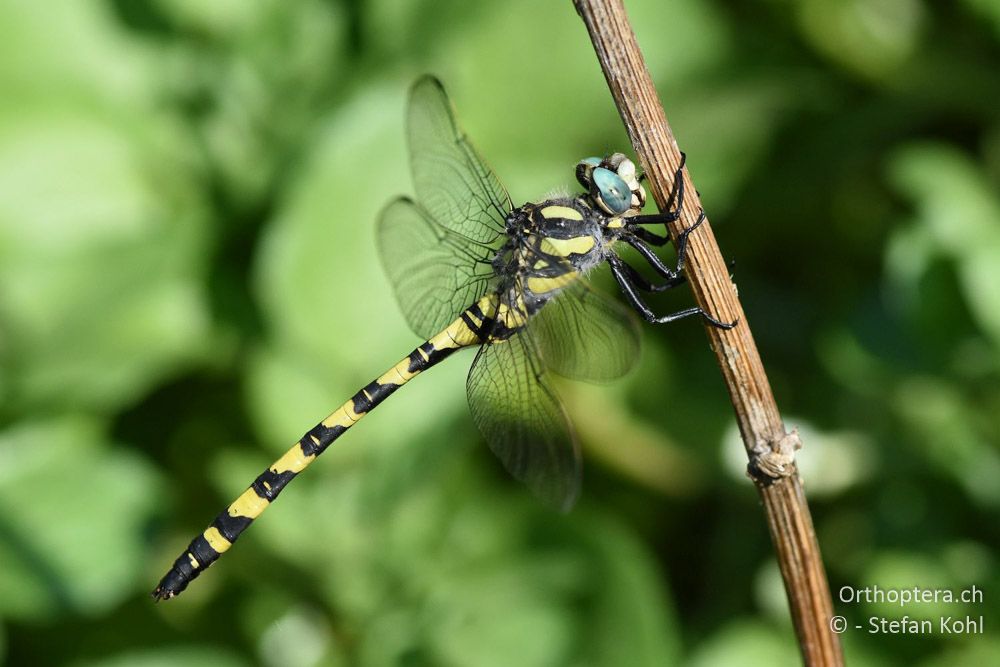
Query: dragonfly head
<point x="612" y="183"/>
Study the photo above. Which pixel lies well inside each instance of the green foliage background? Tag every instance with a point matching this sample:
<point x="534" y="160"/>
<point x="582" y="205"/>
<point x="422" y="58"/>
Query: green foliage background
<point x="188" y="281"/>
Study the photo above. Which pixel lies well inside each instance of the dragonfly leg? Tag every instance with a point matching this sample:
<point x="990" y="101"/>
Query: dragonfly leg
<point x="638" y="280"/>
<point x="677" y="192"/>
<point x="673" y="207"/>
<point x="650" y="237"/>
<point x="624" y="281"/>
<point x="653" y="258"/>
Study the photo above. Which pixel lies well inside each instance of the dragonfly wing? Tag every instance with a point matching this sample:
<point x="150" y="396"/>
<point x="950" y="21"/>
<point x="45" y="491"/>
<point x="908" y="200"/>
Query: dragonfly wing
<point x="435" y="272"/>
<point x="452" y="181"/>
<point x="523" y="421"/>
<point x="584" y="335"/>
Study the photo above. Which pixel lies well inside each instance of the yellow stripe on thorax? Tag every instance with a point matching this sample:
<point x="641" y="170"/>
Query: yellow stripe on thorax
<point x="577" y="245"/>
<point x="564" y="212"/>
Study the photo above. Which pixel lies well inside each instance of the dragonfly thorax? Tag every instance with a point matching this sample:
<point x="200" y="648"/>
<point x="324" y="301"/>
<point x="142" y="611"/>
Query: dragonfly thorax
<point x="550" y="245"/>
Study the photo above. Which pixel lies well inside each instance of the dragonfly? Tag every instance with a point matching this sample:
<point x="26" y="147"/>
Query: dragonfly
<point x="470" y="270"/>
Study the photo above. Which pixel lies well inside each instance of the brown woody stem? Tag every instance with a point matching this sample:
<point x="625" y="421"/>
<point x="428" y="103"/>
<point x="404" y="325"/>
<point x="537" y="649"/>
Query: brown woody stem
<point x="769" y="448"/>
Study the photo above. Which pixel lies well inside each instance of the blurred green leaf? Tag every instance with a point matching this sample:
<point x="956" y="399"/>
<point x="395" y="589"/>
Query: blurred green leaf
<point x="942" y="425"/>
<point x="318" y="272"/>
<point x="958" y="209"/>
<point x="189" y="656"/>
<point x="899" y="570"/>
<point x="989" y="10"/>
<point x="870" y="38"/>
<point x="259" y="75"/>
<point x="745" y="643"/>
<point x="298" y="638"/>
<point x="71" y="54"/>
<point x="101" y="228"/>
<point x="972" y="653"/>
<point x="77" y="546"/>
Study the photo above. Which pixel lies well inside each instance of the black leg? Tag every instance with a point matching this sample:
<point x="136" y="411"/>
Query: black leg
<point x="682" y="240"/>
<point x="650" y="237"/>
<point x="651" y="257"/>
<point x="671" y="211"/>
<point x="638" y="280"/>
<point x="621" y="275"/>
<point x="655" y="261"/>
<point x="653" y="219"/>
<point x="677" y="192"/>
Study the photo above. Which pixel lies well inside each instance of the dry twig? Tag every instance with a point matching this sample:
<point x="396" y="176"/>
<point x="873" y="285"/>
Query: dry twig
<point x="769" y="448"/>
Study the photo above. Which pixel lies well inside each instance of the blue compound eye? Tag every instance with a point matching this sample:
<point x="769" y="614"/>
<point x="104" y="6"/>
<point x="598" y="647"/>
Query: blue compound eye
<point x="615" y="194"/>
<point x="592" y="161"/>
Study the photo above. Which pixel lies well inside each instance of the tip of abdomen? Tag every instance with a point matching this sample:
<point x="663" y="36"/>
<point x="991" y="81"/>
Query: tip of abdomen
<point x="172" y="584"/>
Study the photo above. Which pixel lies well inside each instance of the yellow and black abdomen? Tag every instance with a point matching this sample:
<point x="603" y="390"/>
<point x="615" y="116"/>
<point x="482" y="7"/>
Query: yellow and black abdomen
<point x="472" y="327"/>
